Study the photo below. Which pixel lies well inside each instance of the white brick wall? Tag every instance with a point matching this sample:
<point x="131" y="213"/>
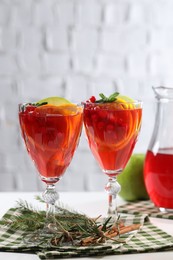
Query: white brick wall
<point x="76" y="49"/>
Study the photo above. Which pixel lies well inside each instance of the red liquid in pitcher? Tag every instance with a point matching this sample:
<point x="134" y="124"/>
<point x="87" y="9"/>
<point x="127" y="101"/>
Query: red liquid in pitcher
<point x="158" y="175"/>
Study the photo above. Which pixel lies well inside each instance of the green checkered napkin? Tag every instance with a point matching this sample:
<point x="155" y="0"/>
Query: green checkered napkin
<point x="149" y="238"/>
<point x="144" y="207"/>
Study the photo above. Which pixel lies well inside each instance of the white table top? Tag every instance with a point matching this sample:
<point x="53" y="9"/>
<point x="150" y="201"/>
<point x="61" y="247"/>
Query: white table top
<point x="91" y="203"/>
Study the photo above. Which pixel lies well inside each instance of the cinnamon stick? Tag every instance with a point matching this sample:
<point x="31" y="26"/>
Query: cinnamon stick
<point x="124" y="230"/>
<point x="111" y="233"/>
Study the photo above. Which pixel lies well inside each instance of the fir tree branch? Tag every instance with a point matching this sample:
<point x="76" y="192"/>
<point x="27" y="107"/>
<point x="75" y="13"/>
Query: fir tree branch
<point x="69" y="226"/>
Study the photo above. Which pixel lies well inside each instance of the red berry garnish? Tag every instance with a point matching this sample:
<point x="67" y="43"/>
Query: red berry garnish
<point x="30" y="108"/>
<point x="92" y="99"/>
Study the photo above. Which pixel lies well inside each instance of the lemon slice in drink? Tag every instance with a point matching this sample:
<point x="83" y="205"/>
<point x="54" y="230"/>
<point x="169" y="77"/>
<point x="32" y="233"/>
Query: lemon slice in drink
<point x="55" y="101"/>
<point x="122" y="98"/>
<point x="65" y="109"/>
<point x="56" y="105"/>
<point x="127" y="102"/>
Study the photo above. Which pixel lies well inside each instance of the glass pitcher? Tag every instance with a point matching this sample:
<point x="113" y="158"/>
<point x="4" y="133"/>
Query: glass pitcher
<point x="158" y="167"/>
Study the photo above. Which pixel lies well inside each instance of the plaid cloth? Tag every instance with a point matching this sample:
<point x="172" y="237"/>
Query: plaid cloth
<point x="144" y="207"/>
<point x="150" y="238"/>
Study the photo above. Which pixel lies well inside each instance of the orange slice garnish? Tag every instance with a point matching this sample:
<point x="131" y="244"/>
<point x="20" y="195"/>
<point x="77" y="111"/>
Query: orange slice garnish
<point x="64" y="110"/>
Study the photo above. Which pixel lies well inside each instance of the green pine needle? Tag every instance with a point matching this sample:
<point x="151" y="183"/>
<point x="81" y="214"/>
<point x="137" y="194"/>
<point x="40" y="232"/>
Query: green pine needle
<point x="70" y="226"/>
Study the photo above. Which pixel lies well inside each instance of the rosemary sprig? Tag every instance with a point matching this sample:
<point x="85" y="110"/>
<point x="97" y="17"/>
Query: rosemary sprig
<point x="68" y="226"/>
<point x="68" y="223"/>
<point x="27" y="219"/>
<point x="109" y="99"/>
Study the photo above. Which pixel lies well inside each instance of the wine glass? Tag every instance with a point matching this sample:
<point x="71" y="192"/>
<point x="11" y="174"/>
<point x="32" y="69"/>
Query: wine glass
<point x="51" y="135"/>
<point x="112" y="130"/>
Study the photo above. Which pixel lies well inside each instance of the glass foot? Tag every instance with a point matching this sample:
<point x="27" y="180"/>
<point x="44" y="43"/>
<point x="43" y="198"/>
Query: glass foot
<point x="37" y="238"/>
<point x="32" y="239"/>
<point x="165" y="210"/>
<point x="44" y="234"/>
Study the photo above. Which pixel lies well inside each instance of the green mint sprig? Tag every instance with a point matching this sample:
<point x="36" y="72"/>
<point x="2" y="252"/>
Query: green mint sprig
<point x="109" y="99"/>
<point x="34" y="104"/>
<point x="41" y="104"/>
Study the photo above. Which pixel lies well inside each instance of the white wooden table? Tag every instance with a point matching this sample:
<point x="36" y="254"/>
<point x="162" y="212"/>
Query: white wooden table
<point x="91" y="203"/>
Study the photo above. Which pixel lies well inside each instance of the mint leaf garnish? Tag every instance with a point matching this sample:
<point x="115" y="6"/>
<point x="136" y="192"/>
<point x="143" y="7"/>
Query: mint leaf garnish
<point x="41" y="104"/>
<point x="109" y="99"/>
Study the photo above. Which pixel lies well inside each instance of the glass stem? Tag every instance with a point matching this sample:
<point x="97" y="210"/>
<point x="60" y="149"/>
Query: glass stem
<point x="50" y="196"/>
<point x="112" y="188"/>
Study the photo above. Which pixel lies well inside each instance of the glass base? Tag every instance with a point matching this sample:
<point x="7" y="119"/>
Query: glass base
<point x="33" y="238"/>
<point x="45" y="233"/>
<point x="165" y="210"/>
<point x="39" y="237"/>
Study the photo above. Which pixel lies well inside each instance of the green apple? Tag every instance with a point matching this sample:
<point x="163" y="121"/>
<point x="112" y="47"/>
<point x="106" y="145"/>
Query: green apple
<point x="132" y="180"/>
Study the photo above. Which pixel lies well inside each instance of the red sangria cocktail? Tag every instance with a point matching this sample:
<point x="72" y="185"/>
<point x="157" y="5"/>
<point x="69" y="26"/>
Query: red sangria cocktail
<point x="51" y="130"/>
<point x="112" y="126"/>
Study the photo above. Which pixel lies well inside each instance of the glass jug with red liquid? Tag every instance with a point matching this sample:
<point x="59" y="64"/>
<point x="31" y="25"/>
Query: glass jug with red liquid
<point x="158" y="167"/>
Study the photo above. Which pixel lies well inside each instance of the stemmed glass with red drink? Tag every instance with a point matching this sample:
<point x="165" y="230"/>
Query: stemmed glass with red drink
<point x="51" y="134"/>
<point x="112" y="126"/>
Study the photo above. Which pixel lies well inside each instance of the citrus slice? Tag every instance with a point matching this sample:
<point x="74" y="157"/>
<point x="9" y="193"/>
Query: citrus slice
<point x="124" y="98"/>
<point x="65" y="110"/>
<point x="128" y="103"/>
<point x="55" y="105"/>
<point x="56" y="101"/>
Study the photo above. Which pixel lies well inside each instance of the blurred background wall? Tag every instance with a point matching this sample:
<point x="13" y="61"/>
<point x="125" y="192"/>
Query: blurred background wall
<point x="75" y="49"/>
